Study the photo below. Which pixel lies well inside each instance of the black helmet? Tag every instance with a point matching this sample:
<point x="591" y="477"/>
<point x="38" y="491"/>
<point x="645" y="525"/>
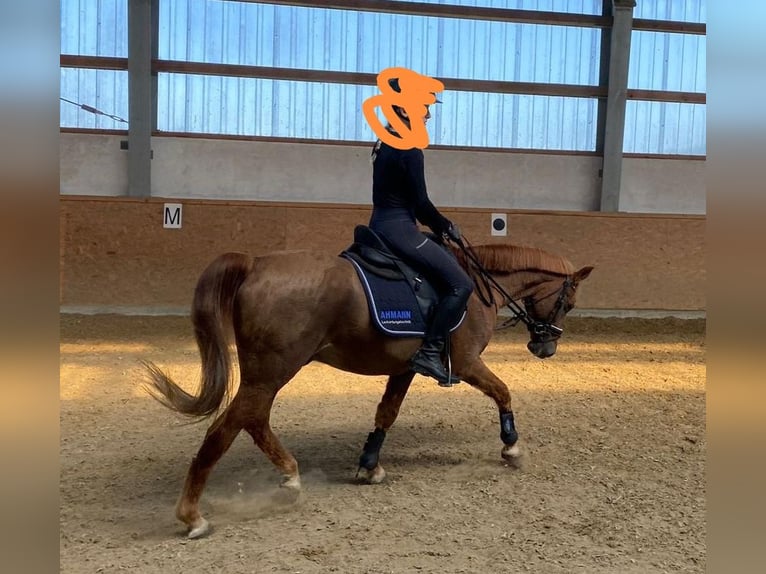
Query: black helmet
<point x="394" y="83"/>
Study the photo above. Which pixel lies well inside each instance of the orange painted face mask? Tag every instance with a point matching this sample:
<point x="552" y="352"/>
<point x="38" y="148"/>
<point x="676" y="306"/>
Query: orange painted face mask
<point x="406" y="91"/>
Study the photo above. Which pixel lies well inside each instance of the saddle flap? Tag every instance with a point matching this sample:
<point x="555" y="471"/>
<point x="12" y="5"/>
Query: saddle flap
<point x="400" y="300"/>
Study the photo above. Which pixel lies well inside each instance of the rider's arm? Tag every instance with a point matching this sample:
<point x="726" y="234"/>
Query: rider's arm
<point x="425" y="211"/>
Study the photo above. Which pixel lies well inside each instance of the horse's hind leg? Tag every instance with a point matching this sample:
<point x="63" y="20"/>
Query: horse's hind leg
<point x="388" y="410"/>
<point x="250" y="410"/>
<point x="479" y="376"/>
<point x="263" y="374"/>
<point x="261" y="400"/>
<point x="217" y="441"/>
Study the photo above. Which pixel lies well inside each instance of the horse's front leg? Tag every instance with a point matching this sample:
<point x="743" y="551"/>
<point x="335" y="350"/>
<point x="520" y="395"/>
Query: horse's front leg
<point x="388" y="410"/>
<point x="480" y="377"/>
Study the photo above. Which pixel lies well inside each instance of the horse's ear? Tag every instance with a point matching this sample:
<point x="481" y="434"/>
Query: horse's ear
<point x="582" y="274"/>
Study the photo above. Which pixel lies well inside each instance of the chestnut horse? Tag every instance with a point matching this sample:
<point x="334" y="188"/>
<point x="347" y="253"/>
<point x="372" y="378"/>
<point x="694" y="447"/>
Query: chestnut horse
<point x="290" y="308"/>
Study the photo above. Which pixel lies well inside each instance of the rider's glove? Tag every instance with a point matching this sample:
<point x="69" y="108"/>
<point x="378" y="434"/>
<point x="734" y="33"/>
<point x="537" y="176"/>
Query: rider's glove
<point x="453" y="232"/>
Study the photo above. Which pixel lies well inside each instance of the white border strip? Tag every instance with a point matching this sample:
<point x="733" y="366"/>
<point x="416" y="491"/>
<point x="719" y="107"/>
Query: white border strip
<point x="165" y="311"/>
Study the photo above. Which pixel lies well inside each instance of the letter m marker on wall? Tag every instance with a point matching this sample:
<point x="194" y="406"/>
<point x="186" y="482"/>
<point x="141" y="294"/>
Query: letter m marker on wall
<point x="172" y="215"/>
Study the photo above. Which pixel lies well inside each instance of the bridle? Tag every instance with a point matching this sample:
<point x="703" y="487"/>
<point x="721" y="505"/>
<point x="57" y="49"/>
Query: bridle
<point x="544" y="331"/>
<point x="529" y="305"/>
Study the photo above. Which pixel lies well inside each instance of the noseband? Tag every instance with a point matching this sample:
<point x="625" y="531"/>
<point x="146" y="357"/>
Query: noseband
<point x="547" y="328"/>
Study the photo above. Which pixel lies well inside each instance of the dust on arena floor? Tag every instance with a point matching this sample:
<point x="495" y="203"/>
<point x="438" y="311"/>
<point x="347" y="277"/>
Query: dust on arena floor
<point x="613" y="478"/>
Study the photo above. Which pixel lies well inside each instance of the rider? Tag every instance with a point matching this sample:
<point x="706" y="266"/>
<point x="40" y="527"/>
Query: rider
<point x="399" y="198"/>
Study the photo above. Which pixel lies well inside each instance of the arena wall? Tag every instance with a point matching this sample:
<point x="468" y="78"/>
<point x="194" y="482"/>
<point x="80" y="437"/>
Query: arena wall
<point x="117" y="256"/>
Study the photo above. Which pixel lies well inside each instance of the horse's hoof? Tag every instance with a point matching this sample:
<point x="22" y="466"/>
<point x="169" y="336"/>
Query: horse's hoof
<point x="288" y="492"/>
<point x="512" y="455"/>
<point x="199" y="529"/>
<point x="374" y="476"/>
<point x="292" y="482"/>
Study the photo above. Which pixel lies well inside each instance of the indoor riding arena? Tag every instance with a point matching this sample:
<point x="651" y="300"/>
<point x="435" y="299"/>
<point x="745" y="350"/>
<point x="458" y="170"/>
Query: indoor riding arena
<point x="190" y="130"/>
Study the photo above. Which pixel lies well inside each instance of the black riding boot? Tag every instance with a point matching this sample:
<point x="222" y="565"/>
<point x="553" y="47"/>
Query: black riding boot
<point x="428" y="359"/>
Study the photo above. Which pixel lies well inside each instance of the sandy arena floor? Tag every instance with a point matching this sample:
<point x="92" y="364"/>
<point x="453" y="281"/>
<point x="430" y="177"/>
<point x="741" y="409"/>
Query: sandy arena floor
<point x="613" y="480"/>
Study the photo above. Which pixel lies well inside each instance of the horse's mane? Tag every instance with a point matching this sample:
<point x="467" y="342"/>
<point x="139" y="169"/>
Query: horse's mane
<point x="509" y="258"/>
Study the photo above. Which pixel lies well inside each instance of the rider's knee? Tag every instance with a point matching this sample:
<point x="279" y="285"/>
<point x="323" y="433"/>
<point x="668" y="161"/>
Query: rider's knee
<point x="463" y="290"/>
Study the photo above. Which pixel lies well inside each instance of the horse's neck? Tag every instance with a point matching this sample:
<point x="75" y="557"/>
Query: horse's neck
<point x="524" y="283"/>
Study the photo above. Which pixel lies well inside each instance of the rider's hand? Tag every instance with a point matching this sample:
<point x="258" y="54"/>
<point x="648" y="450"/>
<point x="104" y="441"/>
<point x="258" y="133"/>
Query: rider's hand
<point x="453" y="232"/>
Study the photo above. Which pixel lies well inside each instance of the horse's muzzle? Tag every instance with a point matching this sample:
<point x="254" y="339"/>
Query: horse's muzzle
<point x="542" y="350"/>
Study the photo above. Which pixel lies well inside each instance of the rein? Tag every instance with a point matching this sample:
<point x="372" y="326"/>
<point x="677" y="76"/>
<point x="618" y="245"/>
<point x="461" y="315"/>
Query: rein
<point x="539" y="328"/>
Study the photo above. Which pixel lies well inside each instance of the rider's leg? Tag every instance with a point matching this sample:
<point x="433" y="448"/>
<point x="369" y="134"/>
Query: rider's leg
<point x="428" y="359"/>
<point x="442" y="268"/>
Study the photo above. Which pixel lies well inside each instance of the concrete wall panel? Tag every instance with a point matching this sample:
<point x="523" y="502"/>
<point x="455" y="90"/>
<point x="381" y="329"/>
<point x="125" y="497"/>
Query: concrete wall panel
<point x="196" y="168"/>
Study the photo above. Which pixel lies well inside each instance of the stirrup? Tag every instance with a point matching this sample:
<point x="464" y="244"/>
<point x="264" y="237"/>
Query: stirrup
<point x="453" y="380"/>
<point x="443" y="378"/>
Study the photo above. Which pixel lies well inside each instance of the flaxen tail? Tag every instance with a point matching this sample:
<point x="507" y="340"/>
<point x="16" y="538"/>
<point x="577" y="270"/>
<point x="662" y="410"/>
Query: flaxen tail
<point x="212" y="318"/>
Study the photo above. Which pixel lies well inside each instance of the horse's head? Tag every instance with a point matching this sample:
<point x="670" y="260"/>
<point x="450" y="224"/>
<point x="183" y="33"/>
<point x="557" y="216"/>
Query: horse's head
<point x="547" y="304"/>
<point x="546" y="284"/>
